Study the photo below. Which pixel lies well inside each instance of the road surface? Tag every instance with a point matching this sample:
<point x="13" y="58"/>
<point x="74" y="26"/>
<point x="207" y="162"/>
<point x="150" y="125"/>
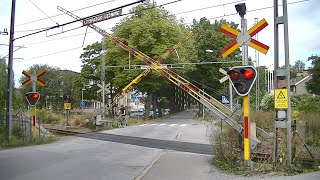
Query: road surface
<point x="173" y="148"/>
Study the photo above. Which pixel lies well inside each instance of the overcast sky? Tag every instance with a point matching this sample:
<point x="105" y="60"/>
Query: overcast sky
<point x="304" y="28"/>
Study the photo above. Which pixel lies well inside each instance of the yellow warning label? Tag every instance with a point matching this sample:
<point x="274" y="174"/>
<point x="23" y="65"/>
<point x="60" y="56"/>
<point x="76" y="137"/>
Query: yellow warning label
<point x="67" y="106"/>
<point x="280" y="99"/>
<point x="281" y="95"/>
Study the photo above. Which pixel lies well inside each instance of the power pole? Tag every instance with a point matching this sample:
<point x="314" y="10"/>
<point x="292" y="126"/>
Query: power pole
<point x="103" y="73"/>
<point x="10" y="74"/>
<point x="258" y="70"/>
<point x="285" y="121"/>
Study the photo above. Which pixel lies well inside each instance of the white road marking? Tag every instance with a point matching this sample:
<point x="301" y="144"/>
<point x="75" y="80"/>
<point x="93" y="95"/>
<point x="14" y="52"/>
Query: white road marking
<point x="173" y="124"/>
<point x="183" y="125"/>
<point x="143" y="124"/>
<point x="151" y="124"/>
<point x="162" y="124"/>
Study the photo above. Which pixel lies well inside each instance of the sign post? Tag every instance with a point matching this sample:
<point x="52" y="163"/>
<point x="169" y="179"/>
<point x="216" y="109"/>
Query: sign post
<point x="223" y="79"/>
<point x="33" y="79"/>
<point x="244" y="39"/>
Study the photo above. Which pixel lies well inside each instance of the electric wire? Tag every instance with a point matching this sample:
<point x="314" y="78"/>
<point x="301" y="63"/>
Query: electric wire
<point x="117" y="16"/>
<point x="58" y="52"/>
<point x="226" y="15"/>
<point x="258" y="9"/>
<point x="43" y="12"/>
<point x="208" y="7"/>
<point x="63" y="13"/>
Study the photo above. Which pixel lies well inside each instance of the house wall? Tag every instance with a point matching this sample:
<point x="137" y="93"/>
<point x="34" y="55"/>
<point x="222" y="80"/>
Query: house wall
<point x="301" y="87"/>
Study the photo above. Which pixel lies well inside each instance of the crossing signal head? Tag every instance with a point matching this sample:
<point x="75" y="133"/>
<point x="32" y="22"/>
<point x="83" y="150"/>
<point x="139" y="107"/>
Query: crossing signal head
<point x="32" y="98"/>
<point x="67" y="98"/>
<point x="242" y="78"/>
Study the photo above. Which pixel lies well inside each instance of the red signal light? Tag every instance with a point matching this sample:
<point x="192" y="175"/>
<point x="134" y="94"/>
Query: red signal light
<point x="233" y="75"/>
<point x="35" y="96"/>
<point x="247" y="73"/>
<point x="32" y="98"/>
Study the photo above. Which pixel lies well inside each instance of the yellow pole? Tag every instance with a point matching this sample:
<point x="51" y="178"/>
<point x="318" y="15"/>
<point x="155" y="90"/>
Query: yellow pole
<point x="246" y="128"/>
<point x="33" y="111"/>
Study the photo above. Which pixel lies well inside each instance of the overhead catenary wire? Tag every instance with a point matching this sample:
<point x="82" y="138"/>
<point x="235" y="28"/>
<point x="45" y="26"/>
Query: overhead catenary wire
<point x="98" y="4"/>
<point x="50" y="54"/>
<point x="161" y="5"/>
<point x="43" y="12"/>
<point x="258" y="9"/>
<point x="225" y="15"/>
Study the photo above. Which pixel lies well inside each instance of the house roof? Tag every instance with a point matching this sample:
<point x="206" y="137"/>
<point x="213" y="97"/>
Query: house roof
<point x="302" y="80"/>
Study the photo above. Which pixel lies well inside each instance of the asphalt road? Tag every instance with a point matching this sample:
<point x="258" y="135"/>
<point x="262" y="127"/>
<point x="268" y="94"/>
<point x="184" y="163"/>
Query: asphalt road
<point x="116" y="154"/>
<point x="173" y="148"/>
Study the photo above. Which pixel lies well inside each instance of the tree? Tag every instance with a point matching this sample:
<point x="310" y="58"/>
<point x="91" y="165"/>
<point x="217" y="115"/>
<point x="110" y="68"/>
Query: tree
<point x="3" y="90"/>
<point x="299" y="65"/>
<point x="209" y="37"/>
<point x="153" y="31"/>
<point x="313" y="84"/>
<point x="296" y="68"/>
<point x="59" y="83"/>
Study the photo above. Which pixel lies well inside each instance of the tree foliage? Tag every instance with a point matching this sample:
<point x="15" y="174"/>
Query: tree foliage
<point x="59" y="83"/>
<point x="206" y="76"/>
<point x="313" y="84"/>
<point x="3" y="90"/>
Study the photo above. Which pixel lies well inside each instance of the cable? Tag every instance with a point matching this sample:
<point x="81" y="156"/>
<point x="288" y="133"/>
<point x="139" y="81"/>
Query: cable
<point x="53" y="53"/>
<point x="63" y="13"/>
<point x="81" y="34"/>
<point x="258" y="9"/>
<point x="117" y="16"/>
<point x="208" y="7"/>
<point x="43" y="12"/>
<point x="175" y="14"/>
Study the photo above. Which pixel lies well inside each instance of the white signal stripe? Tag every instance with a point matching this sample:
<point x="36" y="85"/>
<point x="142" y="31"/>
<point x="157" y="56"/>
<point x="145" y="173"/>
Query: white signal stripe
<point x="143" y="124"/>
<point x="183" y="125"/>
<point x="173" y="124"/>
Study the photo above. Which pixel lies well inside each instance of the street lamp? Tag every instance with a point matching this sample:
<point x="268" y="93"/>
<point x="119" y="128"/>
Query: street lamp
<point x="82" y="94"/>
<point x="267" y="78"/>
<point x="215" y="53"/>
<point x="209" y="50"/>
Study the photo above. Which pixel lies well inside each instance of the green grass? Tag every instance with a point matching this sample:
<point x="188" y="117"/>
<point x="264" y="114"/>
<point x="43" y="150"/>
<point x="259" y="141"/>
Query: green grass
<point x="16" y="142"/>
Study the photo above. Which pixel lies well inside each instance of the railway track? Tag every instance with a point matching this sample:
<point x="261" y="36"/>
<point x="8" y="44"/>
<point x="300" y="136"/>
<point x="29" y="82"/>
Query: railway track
<point x="65" y="132"/>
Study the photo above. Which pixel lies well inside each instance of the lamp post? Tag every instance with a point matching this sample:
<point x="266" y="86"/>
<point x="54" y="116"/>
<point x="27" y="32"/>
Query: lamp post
<point x="230" y="86"/>
<point x="267" y="78"/>
<point x="82" y="94"/>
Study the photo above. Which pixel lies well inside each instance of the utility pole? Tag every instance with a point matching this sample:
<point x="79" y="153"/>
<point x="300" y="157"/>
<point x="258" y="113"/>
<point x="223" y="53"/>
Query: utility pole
<point x="103" y="73"/>
<point x="10" y="74"/>
<point x="282" y="121"/>
<point x="258" y="70"/>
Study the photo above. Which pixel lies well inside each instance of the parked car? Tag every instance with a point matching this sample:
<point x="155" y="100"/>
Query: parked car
<point x="136" y="114"/>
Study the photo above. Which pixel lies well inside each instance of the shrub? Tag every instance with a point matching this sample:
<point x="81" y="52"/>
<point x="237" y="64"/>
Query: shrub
<point x="267" y="102"/>
<point x="45" y="116"/>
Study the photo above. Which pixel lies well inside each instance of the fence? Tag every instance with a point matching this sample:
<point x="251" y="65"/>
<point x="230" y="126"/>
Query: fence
<point x="21" y="127"/>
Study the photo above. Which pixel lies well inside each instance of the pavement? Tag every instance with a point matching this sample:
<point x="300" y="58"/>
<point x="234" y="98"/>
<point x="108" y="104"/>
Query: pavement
<point x="174" y="148"/>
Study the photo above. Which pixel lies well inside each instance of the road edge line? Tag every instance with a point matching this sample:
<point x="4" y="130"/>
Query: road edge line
<point x="179" y="134"/>
<point x="145" y="171"/>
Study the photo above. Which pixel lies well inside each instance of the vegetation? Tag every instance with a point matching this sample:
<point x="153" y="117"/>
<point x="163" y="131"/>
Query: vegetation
<point x="313" y="84"/>
<point x="153" y="31"/>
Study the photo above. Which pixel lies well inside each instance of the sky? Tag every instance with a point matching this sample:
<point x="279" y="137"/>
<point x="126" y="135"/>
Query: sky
<point x="42" y="48"/>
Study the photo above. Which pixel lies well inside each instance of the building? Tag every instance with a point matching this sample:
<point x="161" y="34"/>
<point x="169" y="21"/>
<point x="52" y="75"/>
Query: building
<point x="297" y="85"/>
<point x="300" y="87"/>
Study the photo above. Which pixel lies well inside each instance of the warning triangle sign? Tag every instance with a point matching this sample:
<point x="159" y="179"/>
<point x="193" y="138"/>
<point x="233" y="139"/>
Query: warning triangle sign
<point x="281" y="95"/>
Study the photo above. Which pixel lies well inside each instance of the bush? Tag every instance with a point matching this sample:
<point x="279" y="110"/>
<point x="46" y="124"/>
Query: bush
<point x="226" y="150"/>
<point x="48" y="117"/>
<point x="267" y="102"/>
<point x="301" y="102"/>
